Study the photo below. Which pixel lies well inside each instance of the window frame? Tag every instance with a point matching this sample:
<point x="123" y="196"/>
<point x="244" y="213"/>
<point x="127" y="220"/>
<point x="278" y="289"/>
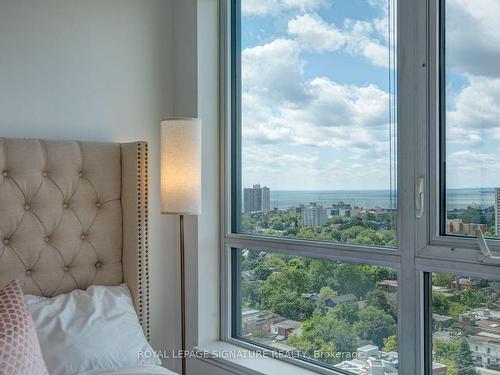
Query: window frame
<point x="433" y="159"/>
<point x="421" y="249"/>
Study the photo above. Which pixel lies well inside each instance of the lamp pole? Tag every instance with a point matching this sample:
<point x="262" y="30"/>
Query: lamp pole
<point x="183" y="294"/>
<point x="181" y="189"/>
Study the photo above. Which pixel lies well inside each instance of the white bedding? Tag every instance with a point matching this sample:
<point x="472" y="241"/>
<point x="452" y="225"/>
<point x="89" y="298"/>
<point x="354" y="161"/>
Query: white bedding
<point x="140" y="370"/>
<point x="91" y="330"/>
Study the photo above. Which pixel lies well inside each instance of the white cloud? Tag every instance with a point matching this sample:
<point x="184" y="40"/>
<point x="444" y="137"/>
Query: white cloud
<point x="297" y="169"/>
<point x="477" y="107"/>
<point x="463" y="136"/>
<point x="274" y="7"/>
<point x="304" y="5"/>
<point x="259" y="7"/>
<point x="473" y="36"/>
<point x="303" y="132"/>
<point x="315" y="34"/>
<point x="270" y="154"/>
<point x="473" y="50"/>
<point x="471" y="169"/>
<point x="281" y="107"/>
<point x="343" y="117"/>
<point x="274" y="70"/>
<point x="360" y="38"/>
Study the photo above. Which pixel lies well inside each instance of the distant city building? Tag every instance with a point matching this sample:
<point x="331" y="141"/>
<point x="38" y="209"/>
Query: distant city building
<point x="497" y="213"/>
<point x="339" y="209"/>
<point x="469" y="229"/>
<point x="266" y="199"/>
<point x="313" y="215"/>
<point x="295" y="210"/>
<point x="256" y="199"/>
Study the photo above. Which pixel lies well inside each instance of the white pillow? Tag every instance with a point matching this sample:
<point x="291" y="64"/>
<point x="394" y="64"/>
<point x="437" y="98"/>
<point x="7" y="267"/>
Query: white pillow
<point x="89" y="329"/>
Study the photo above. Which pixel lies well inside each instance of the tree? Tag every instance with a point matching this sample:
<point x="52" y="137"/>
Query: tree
<point x="463" y="359"/>
<point x="250" y="293"/>
<point x="379" y="299"/>
<point x="321" y="274"/>
<point x="282" y="291"/>
<point x="325" y="333"/>
<point x="269" y="264"/>
<point x="391" y="344"/>
<point x="451" y="369"/>
<point x="443" y="279"/>
<point x="347" y="312"/>
<point x="445" y="350"/>
<point x="375" y="325"/>
<point x="440" y="304"/>
<point x="472" y="298"/>
<point x="327" y="292"/>
<point x="455" y="310"/>
<point x="350" y="279"/>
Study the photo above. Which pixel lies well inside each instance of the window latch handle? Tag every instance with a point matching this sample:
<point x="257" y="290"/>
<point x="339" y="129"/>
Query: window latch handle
<point x="485" y="256"/>
<point x="419" y="198"/>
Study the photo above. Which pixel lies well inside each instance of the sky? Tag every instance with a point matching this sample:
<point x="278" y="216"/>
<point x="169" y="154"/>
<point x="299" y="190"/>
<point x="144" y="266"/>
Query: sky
<point x="315" y="94"/>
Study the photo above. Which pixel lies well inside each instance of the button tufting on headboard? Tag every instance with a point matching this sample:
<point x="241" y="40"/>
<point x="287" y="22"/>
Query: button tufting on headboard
<point x="75" y="214"/>
<point x="48" y="207"/>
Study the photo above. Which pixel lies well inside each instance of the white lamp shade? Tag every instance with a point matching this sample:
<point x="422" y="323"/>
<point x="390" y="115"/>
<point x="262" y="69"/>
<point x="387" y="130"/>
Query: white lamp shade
<point x="181" y="166"/>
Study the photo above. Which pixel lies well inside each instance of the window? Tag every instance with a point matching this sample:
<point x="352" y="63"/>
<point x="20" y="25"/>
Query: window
<point x="354" y="185"/>
<point x="465" y="325"/>
<point x="313" y="116"/>
<point x="470" y="117"/>
<point x="342" y="315"/>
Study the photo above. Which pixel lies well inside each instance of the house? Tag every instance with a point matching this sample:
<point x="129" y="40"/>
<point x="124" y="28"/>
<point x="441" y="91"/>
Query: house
<point x="254" y="320"/>
<point x="485" y="348"/>
<point x="441" y="321"/>
<point x="461" y="283"/>
<point x="334" y="301"/>
<point x="285" y="327"/>
<point x="390" y="286"/>
<point x="368" y="351"/>
<point x="330" y="301"/>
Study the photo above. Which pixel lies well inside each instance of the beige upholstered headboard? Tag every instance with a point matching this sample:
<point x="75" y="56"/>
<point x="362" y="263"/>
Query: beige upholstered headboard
<point x="74" y="214"/>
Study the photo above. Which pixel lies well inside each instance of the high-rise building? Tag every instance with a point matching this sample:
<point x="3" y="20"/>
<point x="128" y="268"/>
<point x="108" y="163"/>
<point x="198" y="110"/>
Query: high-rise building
<point x="266" y="199"/>
<point x="497" y="211"/>
<point x="312" y="215"/>
<point x="256" y="199"/>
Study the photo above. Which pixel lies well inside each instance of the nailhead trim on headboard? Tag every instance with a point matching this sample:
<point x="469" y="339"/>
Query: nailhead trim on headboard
<point x="142" y="236"/>
<point x="146" y="231"/>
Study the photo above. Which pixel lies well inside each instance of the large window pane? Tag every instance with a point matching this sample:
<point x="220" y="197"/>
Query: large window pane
<point x="465" y="325"/>
<point x="339" y="314"/>
<point x="471" y="113"/>
<point x="317" y="123"/>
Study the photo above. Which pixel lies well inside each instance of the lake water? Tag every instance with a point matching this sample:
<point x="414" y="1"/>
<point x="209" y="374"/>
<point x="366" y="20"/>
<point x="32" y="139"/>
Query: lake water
<point x="457" y="198"/>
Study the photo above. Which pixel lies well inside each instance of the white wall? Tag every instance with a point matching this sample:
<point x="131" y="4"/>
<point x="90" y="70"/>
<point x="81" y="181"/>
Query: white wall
<point x="109" y="70"/>
<point x="98" y="70"/>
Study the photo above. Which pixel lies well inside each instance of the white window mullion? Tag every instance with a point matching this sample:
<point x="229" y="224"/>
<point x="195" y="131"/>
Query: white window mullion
<point x="411" y="142"/>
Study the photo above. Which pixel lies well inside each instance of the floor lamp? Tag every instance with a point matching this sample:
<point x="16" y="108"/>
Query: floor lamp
<point x="181" y="187"/>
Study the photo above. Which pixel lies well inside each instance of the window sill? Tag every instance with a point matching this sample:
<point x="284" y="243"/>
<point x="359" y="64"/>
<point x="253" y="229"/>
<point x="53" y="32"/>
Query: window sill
<point x="239" y="360"/>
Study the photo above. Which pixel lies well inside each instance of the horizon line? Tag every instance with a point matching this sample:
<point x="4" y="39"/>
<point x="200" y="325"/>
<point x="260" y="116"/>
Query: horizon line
<point x="375" y="189"/>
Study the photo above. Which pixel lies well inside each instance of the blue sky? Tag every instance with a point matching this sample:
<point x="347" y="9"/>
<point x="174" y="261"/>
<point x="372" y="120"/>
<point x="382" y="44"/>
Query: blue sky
<point x="316" y="94"/>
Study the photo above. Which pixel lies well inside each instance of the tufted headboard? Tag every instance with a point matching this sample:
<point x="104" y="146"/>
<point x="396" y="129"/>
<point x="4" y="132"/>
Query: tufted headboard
<point x="74" y="214"/>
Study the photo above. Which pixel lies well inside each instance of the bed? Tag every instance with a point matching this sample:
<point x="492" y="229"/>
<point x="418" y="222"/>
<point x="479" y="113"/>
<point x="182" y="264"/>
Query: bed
<point x="74" y="215"/>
